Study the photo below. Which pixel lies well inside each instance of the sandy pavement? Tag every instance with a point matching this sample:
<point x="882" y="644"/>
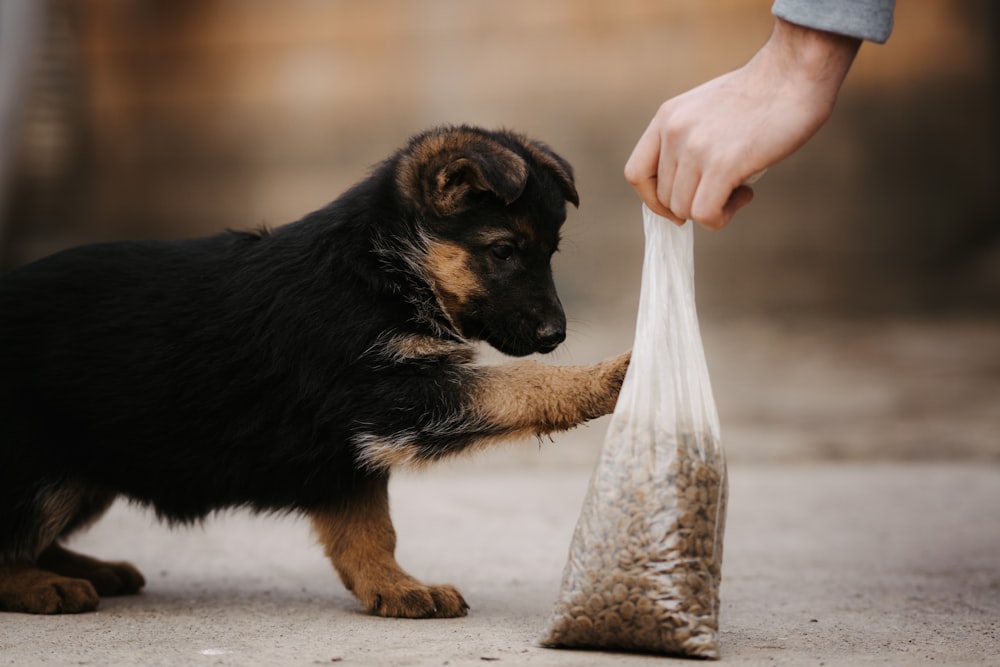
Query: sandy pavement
<point x="864" y="528"/>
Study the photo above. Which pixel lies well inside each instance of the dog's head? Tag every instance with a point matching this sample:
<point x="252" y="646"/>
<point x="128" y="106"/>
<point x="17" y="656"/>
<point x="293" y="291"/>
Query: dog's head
<point x="490" y="206"/>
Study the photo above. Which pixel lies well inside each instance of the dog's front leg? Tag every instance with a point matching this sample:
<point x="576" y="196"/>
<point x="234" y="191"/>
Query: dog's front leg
<point x="529" y="398"/>
<point x="502" y="402"/>
<point x="360" y="541"/>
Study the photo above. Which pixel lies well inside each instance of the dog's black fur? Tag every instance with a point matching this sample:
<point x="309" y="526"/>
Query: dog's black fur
<point x="286" y="370"/>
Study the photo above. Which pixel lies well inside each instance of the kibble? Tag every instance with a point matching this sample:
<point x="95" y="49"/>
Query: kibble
<point x="645" y="564"/>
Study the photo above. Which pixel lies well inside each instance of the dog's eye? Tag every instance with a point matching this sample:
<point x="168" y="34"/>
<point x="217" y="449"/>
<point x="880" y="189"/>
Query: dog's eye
<point x="502" y="250"/>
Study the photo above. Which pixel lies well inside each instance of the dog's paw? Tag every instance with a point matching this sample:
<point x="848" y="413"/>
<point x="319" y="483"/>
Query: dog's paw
<point x="38" y="592"/>
<point x="617" y="367"/>
<point x="414" y="600"/>
<point x="611" y="375"/>
<point x="115" y="579"/>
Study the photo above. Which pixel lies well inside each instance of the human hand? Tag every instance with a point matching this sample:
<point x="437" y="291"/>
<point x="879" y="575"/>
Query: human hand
<point x="701" y="148"/>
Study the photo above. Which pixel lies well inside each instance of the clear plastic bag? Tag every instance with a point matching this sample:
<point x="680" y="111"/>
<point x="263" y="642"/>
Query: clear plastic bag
<point x="644" y="567"/>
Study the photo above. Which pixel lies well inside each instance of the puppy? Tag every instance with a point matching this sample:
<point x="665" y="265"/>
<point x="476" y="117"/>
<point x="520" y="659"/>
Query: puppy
<point x="290" y="370"/>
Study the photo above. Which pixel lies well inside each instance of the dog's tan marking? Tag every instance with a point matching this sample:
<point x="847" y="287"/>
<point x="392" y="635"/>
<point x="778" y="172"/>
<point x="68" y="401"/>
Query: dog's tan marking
<point x="409" y="348"/>
<point x="405" y="450"/>
<point x="68" y="508"/>
<point x="58" y="508"/>
<point x="401" y="450"/>
<point x="360" y="541"/>
<point x="453" y="280"/>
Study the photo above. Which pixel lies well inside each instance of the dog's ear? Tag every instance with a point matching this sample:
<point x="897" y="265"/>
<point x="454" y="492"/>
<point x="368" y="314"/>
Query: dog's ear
<point x="560" y="168"/>
<point x="442" y="170"/>
<point x="489" y="167"/>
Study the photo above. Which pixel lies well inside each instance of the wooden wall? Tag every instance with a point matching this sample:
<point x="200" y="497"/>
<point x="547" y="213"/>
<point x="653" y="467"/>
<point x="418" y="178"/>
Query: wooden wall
<point x="167" y="118"/>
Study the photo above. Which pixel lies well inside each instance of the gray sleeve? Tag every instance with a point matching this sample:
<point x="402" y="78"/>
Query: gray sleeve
<point x="864" y="19"/>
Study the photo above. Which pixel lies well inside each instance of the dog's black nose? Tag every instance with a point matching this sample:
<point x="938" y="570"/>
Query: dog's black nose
<point x="550" y="336"/>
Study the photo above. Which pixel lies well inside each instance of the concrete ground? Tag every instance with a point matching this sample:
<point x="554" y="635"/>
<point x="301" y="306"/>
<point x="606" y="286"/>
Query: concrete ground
<point x="864" y="528"/>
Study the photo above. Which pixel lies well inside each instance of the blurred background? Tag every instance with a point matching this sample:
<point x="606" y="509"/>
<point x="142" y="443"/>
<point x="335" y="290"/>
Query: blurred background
<point x="852" y="311"/>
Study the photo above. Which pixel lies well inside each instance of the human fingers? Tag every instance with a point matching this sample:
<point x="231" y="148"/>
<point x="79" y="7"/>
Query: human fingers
<point x="641" y="171"/>
<point x="707" y="204"/>
<point x="741" y="196"/>
<point x="648" y="193"/>
<point x="737" y="199"/>
<point x="716" y="201"/>
<point x="684" y="186"/>
<point x="666" y="176"/>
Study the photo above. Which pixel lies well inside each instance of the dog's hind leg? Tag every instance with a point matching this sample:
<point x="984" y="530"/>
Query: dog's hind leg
<point x="42" y="577"/>
<point x="360" y="541"/>
<point x="107" y="578"/>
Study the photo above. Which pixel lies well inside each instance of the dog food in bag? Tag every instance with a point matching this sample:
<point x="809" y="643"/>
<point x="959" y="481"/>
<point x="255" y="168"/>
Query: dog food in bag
<point x="644" y="566"/>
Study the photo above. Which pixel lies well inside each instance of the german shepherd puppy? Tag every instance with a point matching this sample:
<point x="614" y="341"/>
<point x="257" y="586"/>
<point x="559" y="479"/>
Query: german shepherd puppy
<point x="288" y="370"/>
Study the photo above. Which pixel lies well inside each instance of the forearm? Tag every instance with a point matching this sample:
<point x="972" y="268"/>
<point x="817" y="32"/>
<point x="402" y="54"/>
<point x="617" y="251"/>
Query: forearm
<point x="811" y="62"/>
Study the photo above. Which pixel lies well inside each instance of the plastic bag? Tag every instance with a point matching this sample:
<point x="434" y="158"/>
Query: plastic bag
<point x="644" y="567"/>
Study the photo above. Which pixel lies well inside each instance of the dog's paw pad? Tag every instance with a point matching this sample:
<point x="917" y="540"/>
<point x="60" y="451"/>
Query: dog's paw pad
<point x="417" y="601"/>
